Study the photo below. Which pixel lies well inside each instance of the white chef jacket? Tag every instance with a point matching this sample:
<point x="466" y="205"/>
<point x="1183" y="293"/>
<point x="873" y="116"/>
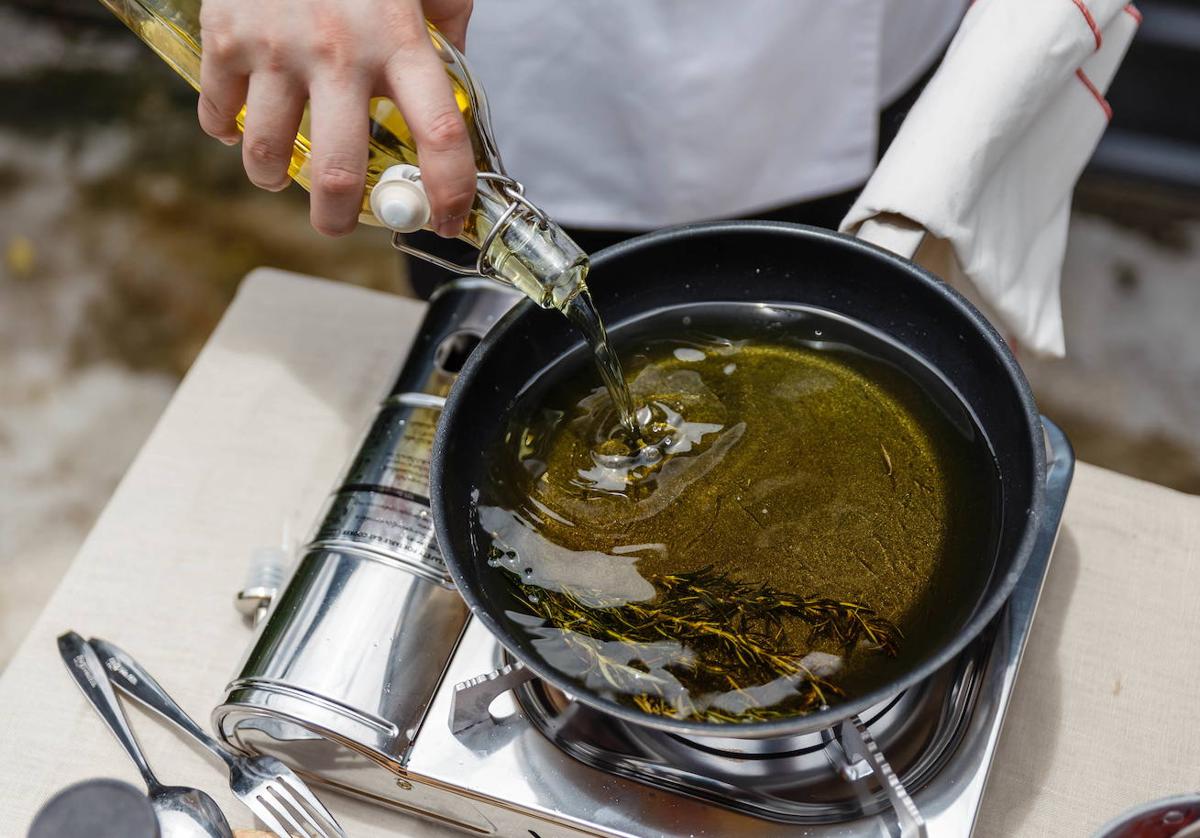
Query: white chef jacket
<point x="635" y="114"/>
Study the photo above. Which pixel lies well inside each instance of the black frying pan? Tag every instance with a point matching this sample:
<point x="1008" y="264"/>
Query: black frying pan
<point x="761" y="262"/>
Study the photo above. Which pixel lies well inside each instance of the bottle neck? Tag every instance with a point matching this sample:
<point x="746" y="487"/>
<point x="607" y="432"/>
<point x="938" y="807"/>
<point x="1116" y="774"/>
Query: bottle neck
<point x="522" y="247"/>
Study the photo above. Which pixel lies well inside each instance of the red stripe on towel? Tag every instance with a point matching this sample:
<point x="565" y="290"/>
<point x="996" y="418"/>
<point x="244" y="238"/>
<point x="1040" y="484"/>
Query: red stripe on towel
<point x="1091" y="21"/>
<point x="1096" y="93"/>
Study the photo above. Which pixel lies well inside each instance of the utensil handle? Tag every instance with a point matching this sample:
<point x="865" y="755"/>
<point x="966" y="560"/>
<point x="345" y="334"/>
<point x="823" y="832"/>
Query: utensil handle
<point x="133" y="680"/>
<point x="88" y="672"/>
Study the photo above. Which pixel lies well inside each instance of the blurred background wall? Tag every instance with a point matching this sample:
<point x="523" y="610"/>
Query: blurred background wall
<point x="124" y="232"/>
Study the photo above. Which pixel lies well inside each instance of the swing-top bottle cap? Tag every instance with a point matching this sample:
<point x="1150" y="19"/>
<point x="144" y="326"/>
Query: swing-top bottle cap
<point x="399" y="201"/>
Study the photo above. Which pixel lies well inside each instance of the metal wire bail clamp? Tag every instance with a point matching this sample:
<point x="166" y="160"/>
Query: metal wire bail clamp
<point x="518" y="204"/>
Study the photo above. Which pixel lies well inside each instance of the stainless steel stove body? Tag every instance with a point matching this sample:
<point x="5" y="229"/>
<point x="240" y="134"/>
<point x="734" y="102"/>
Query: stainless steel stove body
<point x="369" y="677"/>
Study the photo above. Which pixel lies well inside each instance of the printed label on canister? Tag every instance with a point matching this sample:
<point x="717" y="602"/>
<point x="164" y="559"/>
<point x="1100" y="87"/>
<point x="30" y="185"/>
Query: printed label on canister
<point x="412" y="457"/>
<point x="397" y="451"/>
<point x="391" y="521"/>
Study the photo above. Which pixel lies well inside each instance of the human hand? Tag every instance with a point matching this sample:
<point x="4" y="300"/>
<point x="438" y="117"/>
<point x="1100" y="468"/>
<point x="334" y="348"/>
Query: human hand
<point x="272" y="55"/>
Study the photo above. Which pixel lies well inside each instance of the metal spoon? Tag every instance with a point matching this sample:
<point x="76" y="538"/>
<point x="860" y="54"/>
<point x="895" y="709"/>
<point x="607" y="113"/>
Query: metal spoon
<point x="182" y="812"/>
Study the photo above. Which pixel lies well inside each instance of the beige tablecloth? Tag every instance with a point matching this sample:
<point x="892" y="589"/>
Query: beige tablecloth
<point x="1106" y="712"/>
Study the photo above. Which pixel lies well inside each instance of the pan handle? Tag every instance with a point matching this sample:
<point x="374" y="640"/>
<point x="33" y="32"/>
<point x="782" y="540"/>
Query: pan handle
<point x="893" y="232"/>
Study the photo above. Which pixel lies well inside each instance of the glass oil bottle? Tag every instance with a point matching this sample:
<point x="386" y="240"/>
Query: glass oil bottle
<point x="519" y="245"/>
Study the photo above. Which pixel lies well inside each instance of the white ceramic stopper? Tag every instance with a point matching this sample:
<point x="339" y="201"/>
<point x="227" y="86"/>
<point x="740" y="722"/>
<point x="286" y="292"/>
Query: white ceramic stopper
<point x="399" y="201"/>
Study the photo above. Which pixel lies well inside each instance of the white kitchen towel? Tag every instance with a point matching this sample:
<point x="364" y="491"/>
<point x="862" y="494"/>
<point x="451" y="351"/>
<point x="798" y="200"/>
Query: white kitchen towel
<point x="989" y="155"/>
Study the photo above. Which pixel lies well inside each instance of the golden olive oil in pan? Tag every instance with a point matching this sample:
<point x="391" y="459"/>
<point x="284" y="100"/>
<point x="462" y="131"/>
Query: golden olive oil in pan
<point x="806" y="514"/>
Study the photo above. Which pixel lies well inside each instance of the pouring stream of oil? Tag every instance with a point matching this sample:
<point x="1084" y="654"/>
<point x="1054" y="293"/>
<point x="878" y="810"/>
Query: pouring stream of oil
<point x="581" y="311"/>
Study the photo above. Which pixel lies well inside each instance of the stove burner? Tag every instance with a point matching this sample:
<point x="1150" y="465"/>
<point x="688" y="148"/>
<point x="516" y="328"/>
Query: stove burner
<point x="799" y="779"/>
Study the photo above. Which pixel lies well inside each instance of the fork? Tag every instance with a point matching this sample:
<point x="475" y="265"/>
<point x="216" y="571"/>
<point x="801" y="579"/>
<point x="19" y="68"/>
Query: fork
<point x="265" y="785"/>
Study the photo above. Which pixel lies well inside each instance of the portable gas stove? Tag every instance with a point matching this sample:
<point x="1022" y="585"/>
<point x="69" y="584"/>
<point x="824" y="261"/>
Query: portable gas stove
<point x="369" y="677"/>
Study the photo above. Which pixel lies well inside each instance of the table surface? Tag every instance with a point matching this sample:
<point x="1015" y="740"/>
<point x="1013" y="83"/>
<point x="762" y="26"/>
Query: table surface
<point x="1106" y="712"/>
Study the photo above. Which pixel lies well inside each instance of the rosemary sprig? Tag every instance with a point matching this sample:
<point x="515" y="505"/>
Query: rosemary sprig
<point x="737" y="636"/>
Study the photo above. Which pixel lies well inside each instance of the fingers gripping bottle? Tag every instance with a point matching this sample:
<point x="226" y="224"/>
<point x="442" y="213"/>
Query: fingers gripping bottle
<point x="517" y="243"/>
